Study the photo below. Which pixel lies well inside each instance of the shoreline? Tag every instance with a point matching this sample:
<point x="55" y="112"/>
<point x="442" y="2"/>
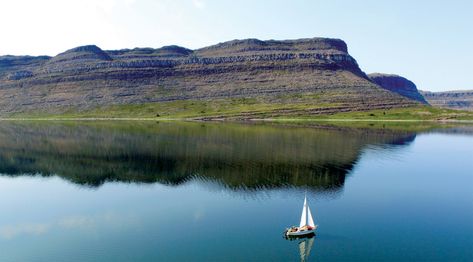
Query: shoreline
<point x="239" y="120"/>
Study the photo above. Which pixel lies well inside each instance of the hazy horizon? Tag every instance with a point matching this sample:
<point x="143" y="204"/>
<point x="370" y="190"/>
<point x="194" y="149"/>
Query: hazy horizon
<point x="422" y="41"/>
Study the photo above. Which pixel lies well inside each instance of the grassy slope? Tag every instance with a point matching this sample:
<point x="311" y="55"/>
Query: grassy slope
<point x="184" y="109"/>
<point x="238" y="109"/>
<point x="419" y="113"/>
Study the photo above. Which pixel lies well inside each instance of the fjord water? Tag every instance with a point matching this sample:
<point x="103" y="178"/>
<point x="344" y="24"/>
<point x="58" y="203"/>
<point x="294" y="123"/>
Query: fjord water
<point x="120" y="191"/>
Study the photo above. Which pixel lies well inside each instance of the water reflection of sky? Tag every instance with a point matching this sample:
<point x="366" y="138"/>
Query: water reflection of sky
<point x="399" y="202"/>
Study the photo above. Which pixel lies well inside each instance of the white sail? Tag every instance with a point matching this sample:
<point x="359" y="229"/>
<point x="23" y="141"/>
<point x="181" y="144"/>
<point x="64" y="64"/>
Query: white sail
<point x="311" y="220"/>
<point x="304" y="214"/>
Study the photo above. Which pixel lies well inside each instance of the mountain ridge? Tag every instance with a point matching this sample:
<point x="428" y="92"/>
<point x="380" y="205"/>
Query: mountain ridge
<point x="311" y="73"/>
<point x="455" y="99"/>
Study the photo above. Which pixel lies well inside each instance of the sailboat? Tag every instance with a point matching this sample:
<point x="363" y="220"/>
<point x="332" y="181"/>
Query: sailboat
<point x="306" y="226"/>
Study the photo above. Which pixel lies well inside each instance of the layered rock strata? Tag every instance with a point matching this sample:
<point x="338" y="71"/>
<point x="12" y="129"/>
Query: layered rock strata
<point x="89" y="77"/>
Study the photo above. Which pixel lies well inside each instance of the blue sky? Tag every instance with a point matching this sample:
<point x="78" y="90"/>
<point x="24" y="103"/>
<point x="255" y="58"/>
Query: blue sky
<point x="429" y="42"/>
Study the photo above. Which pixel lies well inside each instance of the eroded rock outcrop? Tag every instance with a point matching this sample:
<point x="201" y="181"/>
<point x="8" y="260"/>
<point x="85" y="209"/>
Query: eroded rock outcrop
<point x="87" y="77"/>
<point x="461" y="99"/>
<point x="399" y="85"/>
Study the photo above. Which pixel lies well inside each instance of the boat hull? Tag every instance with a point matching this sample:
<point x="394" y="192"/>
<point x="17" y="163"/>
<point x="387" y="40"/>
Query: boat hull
<point x="301" y="233"/>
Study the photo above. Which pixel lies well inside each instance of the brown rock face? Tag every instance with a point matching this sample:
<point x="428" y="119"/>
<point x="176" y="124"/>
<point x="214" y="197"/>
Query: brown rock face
<point x="87" y="77"/>
<point x="462" y="99"/>
<point x="399" y="85"/>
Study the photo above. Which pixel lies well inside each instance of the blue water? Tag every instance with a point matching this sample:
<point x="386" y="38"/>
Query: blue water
<point x="191" y="192"/>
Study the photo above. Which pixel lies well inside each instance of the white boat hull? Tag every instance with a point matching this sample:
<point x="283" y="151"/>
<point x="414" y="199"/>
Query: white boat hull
<point x="300" y="233"/>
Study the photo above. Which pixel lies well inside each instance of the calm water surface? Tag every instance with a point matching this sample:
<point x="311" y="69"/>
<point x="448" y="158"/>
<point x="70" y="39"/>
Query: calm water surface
<point x="113" y="191"/>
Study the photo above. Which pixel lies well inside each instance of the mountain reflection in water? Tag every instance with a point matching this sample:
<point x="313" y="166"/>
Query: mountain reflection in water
<point x="233" y="156"/>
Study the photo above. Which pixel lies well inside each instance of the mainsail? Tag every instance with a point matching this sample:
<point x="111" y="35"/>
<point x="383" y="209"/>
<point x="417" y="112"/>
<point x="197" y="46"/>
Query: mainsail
<point x="306" y="215"/>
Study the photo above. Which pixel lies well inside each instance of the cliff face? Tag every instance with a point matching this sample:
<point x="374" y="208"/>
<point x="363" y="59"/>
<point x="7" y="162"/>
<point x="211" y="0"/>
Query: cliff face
<point x="87" y="77"/>
<point x="462" y="100"/>
<point x="399" y="85"/>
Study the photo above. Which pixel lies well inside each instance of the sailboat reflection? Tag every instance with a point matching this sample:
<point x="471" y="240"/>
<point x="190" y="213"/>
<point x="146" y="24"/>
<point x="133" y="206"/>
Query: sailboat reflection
<point x="305" y="247"/>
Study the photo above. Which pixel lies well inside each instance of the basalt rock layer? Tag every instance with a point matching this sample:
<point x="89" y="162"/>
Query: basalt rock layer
<point x="462" y="99"/>
<point x="88" y="77"/>
<point x="399" y="85"/>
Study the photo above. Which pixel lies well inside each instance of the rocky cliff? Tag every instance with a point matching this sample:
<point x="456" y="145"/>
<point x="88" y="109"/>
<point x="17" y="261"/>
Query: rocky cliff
<point x="462" y="100"/>
<point x="399" y="85"/>
<point x="272" y="71"/>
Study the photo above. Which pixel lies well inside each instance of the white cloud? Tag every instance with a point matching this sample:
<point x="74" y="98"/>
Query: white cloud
<point x="198" y="3"/>
<point x="52" y="26"/>
<point x="198" y="214"/>
<point x="77" y="222"/>
<point x="70" y="222"/>
<point x="11" y="231"/>
<point x="48" y="27"/>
